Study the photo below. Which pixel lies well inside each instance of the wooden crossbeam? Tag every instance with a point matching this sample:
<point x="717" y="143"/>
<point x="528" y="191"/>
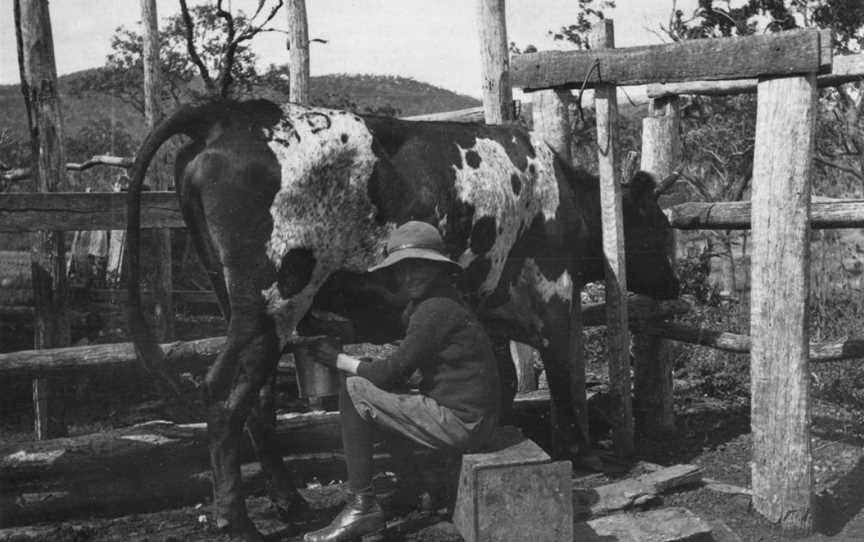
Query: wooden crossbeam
<point x="736" y="215"/>
<point x="783" y="53"/>
<point x="84" y="211"/>
<point x="844" y="69"/>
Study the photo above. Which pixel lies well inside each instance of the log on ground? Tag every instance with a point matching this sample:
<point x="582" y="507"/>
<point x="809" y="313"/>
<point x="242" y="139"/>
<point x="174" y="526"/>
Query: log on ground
<point x="184" y="485"/>
<point x="143" y="451"/>
<point x="633" y="492"/>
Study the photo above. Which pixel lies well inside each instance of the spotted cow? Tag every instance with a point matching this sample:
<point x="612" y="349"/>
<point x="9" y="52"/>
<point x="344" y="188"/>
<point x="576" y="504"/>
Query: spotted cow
<point x="289" y="205"/>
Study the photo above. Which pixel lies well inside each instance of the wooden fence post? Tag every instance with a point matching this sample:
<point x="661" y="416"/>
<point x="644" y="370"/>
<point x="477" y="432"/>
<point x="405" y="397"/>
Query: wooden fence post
<point x="606" y="107"/>
<point x="39" y="86"/>
<point x="495" y="62"/>
<point x="652" y="394"/>
<point x="551" y="116"/>
<point x="163" y="309"/>
<point x="298" y="45"/>
<point x="779" y="375"/>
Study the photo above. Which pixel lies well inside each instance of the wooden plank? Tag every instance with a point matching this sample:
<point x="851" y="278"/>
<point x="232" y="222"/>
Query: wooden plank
<point x="472" y="114"/>
<point x="673" y="524"/>
<point x="740" y="344"/>
<point x="494" y="61"/>
<point x="183" y="296"/>
<point x="606" y="109"/>
<point x="783" y="53"/>
<point x="630" y="492"/>
<point x="20" y="174"/>
<point x="653" y="405"/>
<point x="24" y="212"/>
<point x="639" y="307"/>
<point x="736" y="215"/>
<point x="182" y="354"/>
<point x="782" y="475"/>
<point x="85" y="211"/>
<point x="844" y="69"/>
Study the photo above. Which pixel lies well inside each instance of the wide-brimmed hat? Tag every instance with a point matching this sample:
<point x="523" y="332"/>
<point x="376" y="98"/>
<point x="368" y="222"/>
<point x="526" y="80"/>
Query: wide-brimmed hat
<point x="414" y="239"/>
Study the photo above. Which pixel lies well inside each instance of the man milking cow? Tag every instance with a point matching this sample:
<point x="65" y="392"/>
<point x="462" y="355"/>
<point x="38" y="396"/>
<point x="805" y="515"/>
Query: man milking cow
<point x="290" y="206"/>
<point x="456" y="404"/>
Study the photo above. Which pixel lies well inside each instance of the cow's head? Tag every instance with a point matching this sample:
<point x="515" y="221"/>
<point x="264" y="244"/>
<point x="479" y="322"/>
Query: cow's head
<point x="648" y="239"/>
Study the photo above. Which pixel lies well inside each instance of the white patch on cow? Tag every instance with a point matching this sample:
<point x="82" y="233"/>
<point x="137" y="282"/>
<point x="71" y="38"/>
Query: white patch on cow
<point x="326" y="161"/>
<point x="561" y="287"/>
<point x="488" y="188"/>
<point x="33" y="458"/>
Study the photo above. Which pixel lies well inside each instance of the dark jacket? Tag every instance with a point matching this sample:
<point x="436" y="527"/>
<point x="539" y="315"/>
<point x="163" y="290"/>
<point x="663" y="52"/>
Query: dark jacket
<point x="454" y="355"/>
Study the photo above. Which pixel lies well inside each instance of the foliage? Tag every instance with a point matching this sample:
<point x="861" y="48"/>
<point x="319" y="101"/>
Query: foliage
<point x="694" y="274"/>
<point x="219" y="45"/>
<point x="587" y="14"/>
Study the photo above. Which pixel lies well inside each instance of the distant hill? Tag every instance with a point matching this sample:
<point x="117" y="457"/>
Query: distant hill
<point x="405" y="95"/>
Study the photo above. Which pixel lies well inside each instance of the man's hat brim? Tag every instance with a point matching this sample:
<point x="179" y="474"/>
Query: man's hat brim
<point x="415" y="253"/>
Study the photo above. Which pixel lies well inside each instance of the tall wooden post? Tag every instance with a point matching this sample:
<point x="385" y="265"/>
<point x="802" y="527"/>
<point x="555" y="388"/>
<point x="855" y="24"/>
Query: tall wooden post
<point x="298" y="45"/>
<point x="163" y="308"/>
<point x="652" y="394"/>
<point x="606" y="107"/>
<point x="780" y="379"/>
<point x="495" y="62"/>
<point x="39" y="86"/>
<point x="551" y="118"/>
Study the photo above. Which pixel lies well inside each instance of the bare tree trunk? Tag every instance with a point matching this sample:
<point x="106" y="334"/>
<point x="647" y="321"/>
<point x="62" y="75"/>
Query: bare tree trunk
<point x="298" y="45"/>
<point x="494" y="55"/>
<point x="39" y="86"/>
<point x="162" y="284"/>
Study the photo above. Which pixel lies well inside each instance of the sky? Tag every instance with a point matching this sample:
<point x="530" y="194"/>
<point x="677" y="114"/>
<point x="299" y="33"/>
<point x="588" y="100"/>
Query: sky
<point x="434" y="41"/>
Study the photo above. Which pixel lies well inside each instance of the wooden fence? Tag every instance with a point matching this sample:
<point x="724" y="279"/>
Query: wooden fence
<point x="785" y="70"/>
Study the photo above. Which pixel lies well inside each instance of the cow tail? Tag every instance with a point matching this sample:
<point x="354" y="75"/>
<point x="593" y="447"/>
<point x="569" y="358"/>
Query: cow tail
<point x="188" y="120"/>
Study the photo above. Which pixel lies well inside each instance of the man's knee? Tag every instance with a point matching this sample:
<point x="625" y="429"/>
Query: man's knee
<point x="362" y="394"/>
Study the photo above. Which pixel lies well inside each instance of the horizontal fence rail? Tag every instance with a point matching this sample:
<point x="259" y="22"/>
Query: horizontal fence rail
<point x="22" y="212"/>
<point x="736" y="215"/>
<point x="71" y="211"/>
<point x="740" y="344"/>
<point x="792" y="52"/>
<point x="844" y="69"/>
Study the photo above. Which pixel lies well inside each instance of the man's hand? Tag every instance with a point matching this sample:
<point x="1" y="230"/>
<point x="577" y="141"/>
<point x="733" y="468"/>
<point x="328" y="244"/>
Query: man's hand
<point x="325" y="352"/>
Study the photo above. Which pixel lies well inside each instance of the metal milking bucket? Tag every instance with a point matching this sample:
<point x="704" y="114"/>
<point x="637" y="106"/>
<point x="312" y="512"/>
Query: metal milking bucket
<point x="314" y="379"/>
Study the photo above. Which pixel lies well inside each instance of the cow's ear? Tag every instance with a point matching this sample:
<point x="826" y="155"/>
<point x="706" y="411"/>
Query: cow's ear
<point x="642" y="186"/>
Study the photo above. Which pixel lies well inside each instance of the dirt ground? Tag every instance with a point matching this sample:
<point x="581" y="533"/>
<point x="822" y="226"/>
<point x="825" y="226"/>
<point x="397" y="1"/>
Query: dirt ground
<point x="712" y="418"/>
<point x="712" y="434"/>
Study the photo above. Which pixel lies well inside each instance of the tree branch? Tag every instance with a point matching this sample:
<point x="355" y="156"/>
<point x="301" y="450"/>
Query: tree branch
<point x="190" y="46"/>
<point x="227" y="64"/>
<point x="20" y="174"/>
<point x="252" y="31"/>
<point x="845" y="169"/>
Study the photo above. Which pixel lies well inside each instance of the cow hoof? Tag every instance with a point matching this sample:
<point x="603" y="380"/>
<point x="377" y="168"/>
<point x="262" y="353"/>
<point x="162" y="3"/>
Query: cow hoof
<point x="589" y="462"/>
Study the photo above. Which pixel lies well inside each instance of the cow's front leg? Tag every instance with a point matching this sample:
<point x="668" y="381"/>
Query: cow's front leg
<point x="233" y="383"/>
<point x="281" y="485"/>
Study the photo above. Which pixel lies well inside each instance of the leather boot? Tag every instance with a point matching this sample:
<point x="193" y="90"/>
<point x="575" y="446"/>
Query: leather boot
<point x="362" y="515"/>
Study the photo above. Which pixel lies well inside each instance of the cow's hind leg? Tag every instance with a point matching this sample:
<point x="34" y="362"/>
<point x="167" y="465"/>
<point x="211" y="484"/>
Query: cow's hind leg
<point x="569" y="425"/>
<point x="247" y="363"/>
<point x="281" y="485"/>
